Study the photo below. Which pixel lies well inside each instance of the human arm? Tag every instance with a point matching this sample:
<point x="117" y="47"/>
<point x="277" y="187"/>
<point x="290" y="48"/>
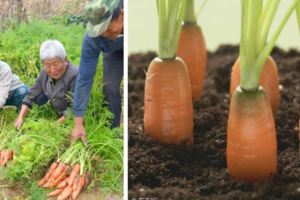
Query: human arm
<point x="88" y="64"/>
<point x="35" y="91"/>
<point x="19" y="121"/>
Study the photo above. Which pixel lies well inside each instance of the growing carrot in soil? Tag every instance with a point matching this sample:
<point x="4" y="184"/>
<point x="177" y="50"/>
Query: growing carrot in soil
<point x="168" y="114"/>
<point x="251" y="124"/>
<point x="192" y="49"/>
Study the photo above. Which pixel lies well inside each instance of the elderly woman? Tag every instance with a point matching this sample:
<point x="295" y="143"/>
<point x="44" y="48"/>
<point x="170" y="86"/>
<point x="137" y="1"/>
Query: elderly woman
<point x="12" y="90"/>
<point x="56" y="80"/>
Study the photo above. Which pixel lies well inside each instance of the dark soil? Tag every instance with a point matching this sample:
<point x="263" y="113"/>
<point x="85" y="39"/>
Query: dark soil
<point x="199" y="172"/>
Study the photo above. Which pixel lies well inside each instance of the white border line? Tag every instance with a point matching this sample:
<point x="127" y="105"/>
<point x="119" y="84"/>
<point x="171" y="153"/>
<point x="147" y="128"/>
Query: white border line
<point x="125" y="89"/>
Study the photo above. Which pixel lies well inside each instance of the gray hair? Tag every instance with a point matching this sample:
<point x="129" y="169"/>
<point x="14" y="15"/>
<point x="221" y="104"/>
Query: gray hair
<point x="51" y="49"/>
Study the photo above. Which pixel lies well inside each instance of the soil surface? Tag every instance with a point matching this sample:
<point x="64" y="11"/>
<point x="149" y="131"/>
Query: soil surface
<point x="199" y="172"/>
<point x="17" y="192"/>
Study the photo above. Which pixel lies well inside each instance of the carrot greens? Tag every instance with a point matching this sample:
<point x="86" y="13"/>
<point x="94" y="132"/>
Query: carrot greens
<point x="170" y="14"/>
<point x="256" y="43"/>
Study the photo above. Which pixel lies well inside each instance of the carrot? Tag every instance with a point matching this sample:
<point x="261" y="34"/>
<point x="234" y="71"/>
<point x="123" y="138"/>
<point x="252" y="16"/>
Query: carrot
<point x="75" y="183"/>
<point x="192" y="49"/>
<point x="60" y="169"/>
<point x="7" y="155"/>
<point x="1" y="157"/>
<point x="251" y="135"/>
<point x="49" y="182"/>
<point x="50" y="171"/>
<point x="41" y="182"/>
<point x="65" y="193"/>
<point x="60" y="179"/>
<point x="81" y="183"/>
<point x="269" y="81"/>
<point x="63" y="184"/>
<point x="55" y="192"/>
<point x="75" y="171"/>
<point x="168" y="108"/>
<point x="87" y="180"/>
<point x="62" y="176"/>
<point x="168" y="112"/>
<point x="248" y="132"/>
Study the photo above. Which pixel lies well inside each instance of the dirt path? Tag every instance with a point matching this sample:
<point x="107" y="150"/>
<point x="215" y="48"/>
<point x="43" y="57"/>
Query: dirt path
<point x="8" y="192"/>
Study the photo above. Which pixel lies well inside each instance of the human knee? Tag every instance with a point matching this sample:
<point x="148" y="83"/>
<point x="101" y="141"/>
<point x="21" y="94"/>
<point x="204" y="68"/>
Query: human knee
<point x="111" y="91"/>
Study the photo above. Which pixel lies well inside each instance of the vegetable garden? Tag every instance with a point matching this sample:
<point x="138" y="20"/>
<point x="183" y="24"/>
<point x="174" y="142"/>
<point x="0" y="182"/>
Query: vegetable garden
<point x="40" y="158"/>
<point x="239" y="141"/>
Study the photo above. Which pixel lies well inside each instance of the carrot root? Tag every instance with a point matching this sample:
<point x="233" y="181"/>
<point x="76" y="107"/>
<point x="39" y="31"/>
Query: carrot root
<point x="168" y="111"/>
<point x="75" y="171"/>
<point x="55" y="192"/>
<point x="65" y="193"/>
<point x="250" y="127"/>
<point x="80" y="186"/>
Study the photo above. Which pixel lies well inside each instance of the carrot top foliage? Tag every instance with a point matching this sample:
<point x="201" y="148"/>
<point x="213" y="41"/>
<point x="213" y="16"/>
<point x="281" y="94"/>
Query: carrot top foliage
<point x="170" y="16"/>
<point x="256" y="43"/>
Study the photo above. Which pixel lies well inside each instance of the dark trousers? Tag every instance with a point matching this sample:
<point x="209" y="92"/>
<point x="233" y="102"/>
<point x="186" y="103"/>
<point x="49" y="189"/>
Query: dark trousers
<point x="16" y="97"/>
<point x="112" y="77"/>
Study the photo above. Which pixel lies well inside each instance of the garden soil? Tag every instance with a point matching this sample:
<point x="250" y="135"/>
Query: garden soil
<point x="199" y="172"/>
<point x="17" y="192"/>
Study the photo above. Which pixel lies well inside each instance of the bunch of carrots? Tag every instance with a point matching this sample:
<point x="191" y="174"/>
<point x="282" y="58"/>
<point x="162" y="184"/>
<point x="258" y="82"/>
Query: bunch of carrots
<point x="67" y="174"/>
<point x="6" y="155"/>
<point x="66" y="179"/>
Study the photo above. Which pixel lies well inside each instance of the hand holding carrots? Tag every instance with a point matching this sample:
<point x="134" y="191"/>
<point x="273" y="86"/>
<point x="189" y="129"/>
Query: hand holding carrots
<point x="79" y="132"/>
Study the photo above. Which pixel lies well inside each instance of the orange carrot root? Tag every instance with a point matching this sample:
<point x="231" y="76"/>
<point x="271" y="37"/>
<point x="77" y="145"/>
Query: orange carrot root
<point x="66" y="193"/>
<point x="191" y="37"/>
<point x="168" y="111"/>
<point x="63" y="184"/>
<point x="50" y="171"/>
<point x="80" y="186"/>
<point x="269" y="81"/>
<point x="49" y="182"/>
<point x="75" y="183"/>
<point x="41" y="182"/>
<point x="1" y="158"/>
<point x="55" y="192"/>
<point x="75" y="171"/>
<point x="60" y="168"/>
<point x="250" y="127"/>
